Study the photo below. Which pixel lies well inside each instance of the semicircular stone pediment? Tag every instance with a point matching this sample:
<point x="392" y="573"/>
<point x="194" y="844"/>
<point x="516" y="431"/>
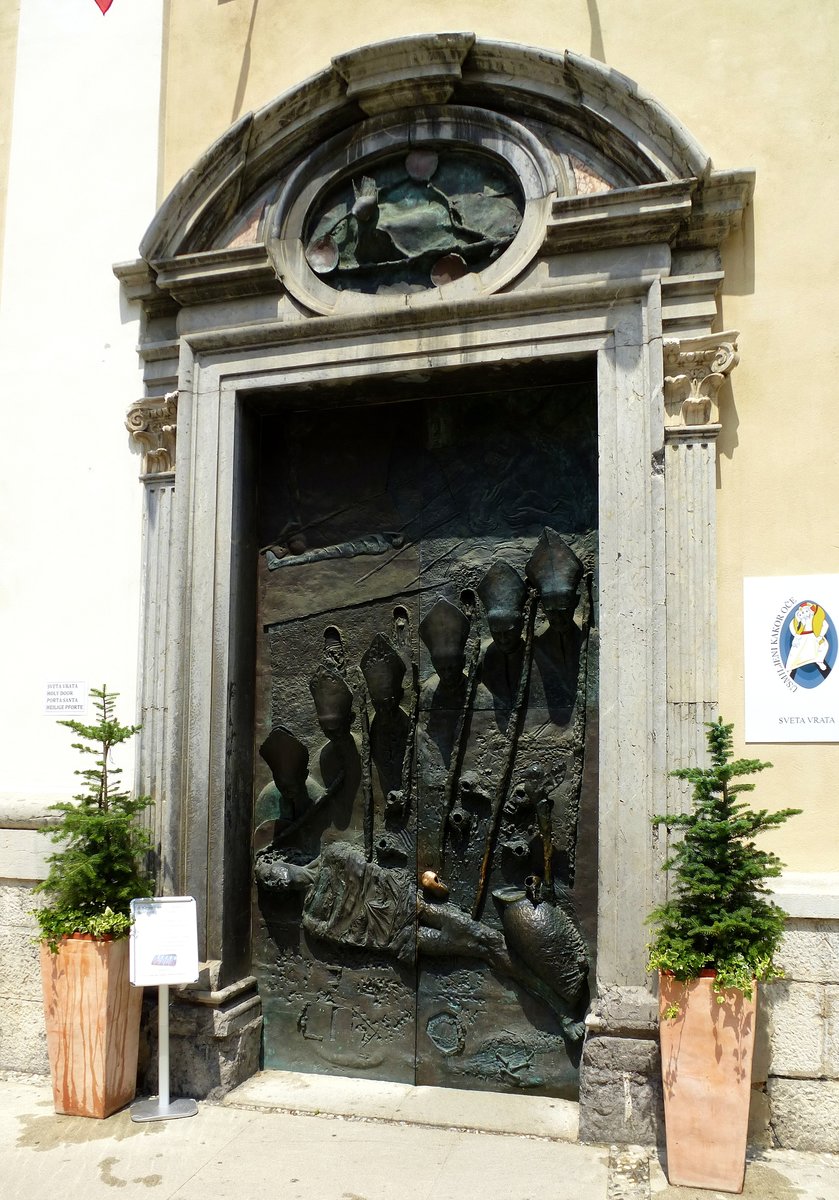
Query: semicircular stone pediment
<point x="329" y="187"/>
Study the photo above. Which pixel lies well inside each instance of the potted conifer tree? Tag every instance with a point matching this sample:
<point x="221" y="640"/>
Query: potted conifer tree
<point x="92" y="1012"/>
<point x="714" y="939"/>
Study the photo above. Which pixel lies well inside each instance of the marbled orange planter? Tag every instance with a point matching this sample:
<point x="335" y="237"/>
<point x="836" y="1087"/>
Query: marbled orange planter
<point x="93" y="1025"/>
<point x="706" y="1070"/>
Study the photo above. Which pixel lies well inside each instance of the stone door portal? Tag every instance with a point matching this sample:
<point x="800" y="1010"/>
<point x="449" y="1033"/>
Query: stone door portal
<point x="426" y="722"/>
<point x="394" y="281"/>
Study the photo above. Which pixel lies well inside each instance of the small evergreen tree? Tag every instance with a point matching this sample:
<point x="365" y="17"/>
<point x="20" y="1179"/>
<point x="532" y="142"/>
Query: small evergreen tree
<point x="719" y="916"/>
<point x="97" y="872"/>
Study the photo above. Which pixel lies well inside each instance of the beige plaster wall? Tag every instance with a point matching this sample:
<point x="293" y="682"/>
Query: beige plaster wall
<point x="755" y="84"/>
<point x="778" y="499"/>
<point x="9" y="16"/>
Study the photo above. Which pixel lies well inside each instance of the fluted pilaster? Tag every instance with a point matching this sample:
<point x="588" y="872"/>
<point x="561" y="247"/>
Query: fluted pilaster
<point x="694" y="370"/>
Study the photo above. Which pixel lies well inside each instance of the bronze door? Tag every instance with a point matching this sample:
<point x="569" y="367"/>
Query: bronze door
<point x="425" y="788"/>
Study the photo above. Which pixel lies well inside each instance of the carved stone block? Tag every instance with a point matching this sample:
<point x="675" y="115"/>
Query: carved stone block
<point x="212" y="1048"/>
<point x="796" y="1027"/>
<point x="810" y="950"/>
<point x="620" y="1091"/>
<point x="416" y="70"/>
<point x="805" y="1114"/>
<point x="152" y="423"/>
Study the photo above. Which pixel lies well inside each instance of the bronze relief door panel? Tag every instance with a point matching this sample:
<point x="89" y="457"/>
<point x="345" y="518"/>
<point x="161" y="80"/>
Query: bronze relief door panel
<point x="424" y="855"/>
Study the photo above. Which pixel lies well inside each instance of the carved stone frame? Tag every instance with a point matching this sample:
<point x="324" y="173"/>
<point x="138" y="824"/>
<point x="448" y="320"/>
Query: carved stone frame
<point x="629" y="277"/>
<point x="491" y="133"/>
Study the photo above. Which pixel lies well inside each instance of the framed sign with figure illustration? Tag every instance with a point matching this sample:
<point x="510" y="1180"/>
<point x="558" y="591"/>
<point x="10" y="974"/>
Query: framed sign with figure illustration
<point x="790" y="640"/>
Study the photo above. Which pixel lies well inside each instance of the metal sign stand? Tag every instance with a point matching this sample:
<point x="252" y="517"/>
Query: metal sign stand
<point x="164" y="950"/>
<point x="162" y="1109"/>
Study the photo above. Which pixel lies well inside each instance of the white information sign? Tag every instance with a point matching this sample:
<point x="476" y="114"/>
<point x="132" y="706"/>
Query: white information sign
<point x="164" y="941"/>
<point x="66" y="698"/>
<point x="791" y="638"/>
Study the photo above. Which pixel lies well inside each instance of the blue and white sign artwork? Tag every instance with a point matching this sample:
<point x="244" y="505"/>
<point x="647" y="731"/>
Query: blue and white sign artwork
<point x="791" y="644"/>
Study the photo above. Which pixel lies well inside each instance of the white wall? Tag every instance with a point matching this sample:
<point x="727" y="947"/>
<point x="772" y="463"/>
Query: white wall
<point x="82" y="188"/>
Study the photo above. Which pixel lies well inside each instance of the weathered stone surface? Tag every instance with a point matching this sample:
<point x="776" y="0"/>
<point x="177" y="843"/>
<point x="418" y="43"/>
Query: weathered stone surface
<point x="796" y="1027"/>
<point x="21" y="975"/>
<point x="805" y="1113"/>
<point x="23" y="854"/>
<point x="625" y="1010"/>
<point x="759" y="1132"/>
<point x="620" y="1091"/>
<point x="16" y="900"/>
<point x="211" y="1050"/>
<point x="830" y="1059"/>
<point x="807" y="895"/>
<point x="23" y="1038"/>
<point x="762" y="1052"/>
<point x="810" y="951"/>
<point x="422" y="69"/>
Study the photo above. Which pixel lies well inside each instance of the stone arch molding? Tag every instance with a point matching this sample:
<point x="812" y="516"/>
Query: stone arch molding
<point x="617" y="259"/>
<point x="593" y="151"/>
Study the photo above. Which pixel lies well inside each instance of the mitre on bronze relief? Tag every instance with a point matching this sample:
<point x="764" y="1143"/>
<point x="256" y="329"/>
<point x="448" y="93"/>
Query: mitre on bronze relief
<point x="286" y="755"/>
<point x="502" y="591"/>
<point x="332" y="696"/>
<point x="382" y="667"/>
<point x="444" y="629"/>
<point x="555" y="570"/>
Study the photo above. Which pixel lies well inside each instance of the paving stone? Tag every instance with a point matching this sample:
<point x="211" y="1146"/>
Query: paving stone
<point x="629" y="1173"/>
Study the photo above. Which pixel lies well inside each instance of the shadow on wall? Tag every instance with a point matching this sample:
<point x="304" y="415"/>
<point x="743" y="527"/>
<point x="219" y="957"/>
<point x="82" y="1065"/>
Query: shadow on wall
<point x="244" y="70"/>
<point x="728" y="440"/>
<point x="597" y="49"/>
<point x="738" y="257"/>
<point x="738" y="262"/>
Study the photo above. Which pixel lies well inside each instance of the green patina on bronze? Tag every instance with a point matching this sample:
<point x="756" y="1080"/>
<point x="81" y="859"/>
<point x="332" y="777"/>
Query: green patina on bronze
<point x="425" y="741"/>
<point x="413" y="221"/>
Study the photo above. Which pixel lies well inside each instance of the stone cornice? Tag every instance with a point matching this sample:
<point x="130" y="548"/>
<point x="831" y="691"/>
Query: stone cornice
<point x="152" y="422"/>
<point x="694" y="371"/>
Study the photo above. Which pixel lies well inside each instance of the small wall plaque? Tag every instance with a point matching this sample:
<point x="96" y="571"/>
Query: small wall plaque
<point x="66" y="698"/>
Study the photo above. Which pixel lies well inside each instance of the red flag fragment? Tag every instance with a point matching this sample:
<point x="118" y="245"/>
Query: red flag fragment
<point x="104" y="5"/>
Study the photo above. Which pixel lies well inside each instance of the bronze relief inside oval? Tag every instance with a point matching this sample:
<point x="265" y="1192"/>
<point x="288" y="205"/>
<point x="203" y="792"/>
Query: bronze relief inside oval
<point x="414" y="220"/>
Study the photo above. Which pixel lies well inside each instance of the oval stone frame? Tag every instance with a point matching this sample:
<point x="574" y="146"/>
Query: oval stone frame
<point x="486" y="133"/>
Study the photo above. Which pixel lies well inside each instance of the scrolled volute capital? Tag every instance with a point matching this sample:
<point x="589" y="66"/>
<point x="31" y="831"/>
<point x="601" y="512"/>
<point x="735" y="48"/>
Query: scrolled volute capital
<point x="694" y="370"/>
<point x="152" y="422"/>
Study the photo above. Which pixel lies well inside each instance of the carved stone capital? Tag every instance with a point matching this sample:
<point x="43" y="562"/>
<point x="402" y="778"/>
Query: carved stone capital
<point x="694" y="370"/>
<point x="152" y="422"/>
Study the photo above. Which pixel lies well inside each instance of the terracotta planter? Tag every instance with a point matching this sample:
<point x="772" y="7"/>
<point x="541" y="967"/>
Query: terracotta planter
<point x="93" y="1025"/>
<point x="706" y="1070"/>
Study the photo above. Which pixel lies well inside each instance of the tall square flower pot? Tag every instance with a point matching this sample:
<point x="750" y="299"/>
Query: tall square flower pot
<point x="92" y="1017"/>
<point x="706" y="1070"/>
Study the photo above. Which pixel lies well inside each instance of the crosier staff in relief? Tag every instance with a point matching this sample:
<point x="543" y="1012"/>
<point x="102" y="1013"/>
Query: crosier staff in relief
<point x="514" y="728"/>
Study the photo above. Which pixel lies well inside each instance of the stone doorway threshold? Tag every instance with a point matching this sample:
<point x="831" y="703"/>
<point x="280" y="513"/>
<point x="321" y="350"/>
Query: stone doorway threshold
<point x="374" y="1100"/>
